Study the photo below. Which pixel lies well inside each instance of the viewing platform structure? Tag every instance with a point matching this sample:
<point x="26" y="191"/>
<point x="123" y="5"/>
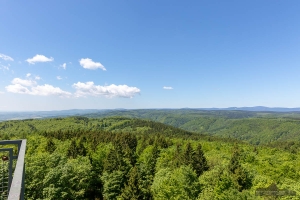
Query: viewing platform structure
<point x="12" y="170"/>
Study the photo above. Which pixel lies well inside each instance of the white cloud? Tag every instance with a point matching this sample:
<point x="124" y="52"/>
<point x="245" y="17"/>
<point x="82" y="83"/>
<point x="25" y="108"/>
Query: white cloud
<point x="5" y="57"/>
<point x="37" y="78"/>
<point x="64" y="66"/>
<point x="59" y="78"/>
<point x="17" y="88"/>
<point x="39" y="58"/>
<point x="18" y="81"/>
<point x="167" y="88"/>
<point x="88" y="63"/>
<point x="29" y="87"/>
<point x="109" y="91"/>
<point x="47" y="90"/>
<point x="27" y="75"/>
<point x="1" y="92"/>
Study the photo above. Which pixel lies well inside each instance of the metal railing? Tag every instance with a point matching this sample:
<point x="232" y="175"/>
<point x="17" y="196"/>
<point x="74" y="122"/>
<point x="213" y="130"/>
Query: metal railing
<point x="12" y="184"/>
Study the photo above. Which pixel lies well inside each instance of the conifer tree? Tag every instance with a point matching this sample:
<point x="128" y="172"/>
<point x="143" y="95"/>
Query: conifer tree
<point x="188" y="154"/>
<point x="50" y="147"/>
<point x="113" y="161"/>
<point x="76" y="149"/>
<point x="178" y="156"/>
<point x="147" y="172"/>
<point x="234" y="163"/>
<point x="199" y="161"/>
<point x="240" y="176"/>
<point x="72" y="150"/>
<point x="153" y="159"/>
<point x="131" y="191"/>
<point x="161" y="141"/>
<point x="81" y="150"/>
<point x="126" y="144"/>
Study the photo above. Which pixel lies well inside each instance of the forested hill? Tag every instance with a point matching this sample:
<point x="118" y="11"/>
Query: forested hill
<point x="123" y="158"/>
<point x="77" y="125"/>
<point x="254" y="127"/>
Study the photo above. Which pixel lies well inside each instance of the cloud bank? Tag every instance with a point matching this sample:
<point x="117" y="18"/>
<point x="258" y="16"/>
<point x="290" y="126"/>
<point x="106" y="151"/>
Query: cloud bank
<point x="39" y="58"/>
<point x="88" y="63"/>
<point x="109" y="91"/>
<point x="31" y="87"/>
<point x="22" y="86"/>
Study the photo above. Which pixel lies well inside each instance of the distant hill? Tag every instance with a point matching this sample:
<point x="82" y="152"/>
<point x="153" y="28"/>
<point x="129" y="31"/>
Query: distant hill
<point x="257" y="109"/>
<point x="64" y="113"/>
<point x="105" y="125"/>
<point x="254" y="127"/>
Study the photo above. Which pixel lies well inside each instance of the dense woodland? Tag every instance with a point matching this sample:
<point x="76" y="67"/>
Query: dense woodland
<point x="260" y="128"/>
<point x="130" y="158"/>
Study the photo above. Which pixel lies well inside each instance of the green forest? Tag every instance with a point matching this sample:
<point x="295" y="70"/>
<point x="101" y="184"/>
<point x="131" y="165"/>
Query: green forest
<point x="159" y="155"/>
<point x="259" y="128"/>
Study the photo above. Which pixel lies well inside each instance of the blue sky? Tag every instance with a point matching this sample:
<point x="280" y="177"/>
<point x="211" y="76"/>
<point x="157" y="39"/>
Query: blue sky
<point x="149" y="54"/>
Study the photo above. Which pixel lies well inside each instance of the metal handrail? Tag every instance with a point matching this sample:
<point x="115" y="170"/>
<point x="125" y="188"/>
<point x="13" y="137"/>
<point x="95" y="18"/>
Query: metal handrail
<point x="16" y="183"/>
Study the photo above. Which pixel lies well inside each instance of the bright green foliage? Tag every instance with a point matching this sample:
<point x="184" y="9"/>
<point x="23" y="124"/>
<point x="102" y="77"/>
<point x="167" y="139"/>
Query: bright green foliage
<point x="99" y="157"/>
<point x="181" y="183"/>
<point x="36" y="168"/>
<point x="113" y="158"/>
<point x="112" y="184"/>
<point x="224" y="184"/>
<point x="147" y="162"/>
<point x="68" y="180"/>
<point x="55" y="177"/>
<point x="166" y="159"/>
<point x="219" y="184"/>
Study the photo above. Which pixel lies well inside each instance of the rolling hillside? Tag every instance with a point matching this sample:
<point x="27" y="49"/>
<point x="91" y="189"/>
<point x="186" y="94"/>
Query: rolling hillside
<point x="253" y="127"/>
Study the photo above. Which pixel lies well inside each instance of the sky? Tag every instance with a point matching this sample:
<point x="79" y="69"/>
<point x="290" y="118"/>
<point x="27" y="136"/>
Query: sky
<point x="133" y="54"/>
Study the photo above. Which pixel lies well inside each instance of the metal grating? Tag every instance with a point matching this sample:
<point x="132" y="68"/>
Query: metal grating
<point x="4" y="178"/>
